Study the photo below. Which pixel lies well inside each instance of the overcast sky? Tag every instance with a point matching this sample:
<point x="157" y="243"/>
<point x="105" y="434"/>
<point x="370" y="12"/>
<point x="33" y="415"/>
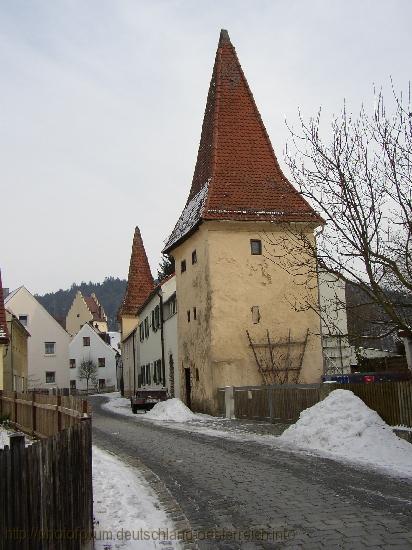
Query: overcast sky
<point x="101" y="106"/>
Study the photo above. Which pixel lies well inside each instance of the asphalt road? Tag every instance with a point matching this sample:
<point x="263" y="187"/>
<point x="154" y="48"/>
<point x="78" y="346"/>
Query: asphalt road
<point x="248" y="495"/>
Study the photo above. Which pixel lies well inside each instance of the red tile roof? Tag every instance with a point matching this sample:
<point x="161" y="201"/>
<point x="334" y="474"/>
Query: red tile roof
<point x="95" y="308"/>
<point x="4" y="333"/>
<point x="140" y="281"/>
<point x="236" y="169"/>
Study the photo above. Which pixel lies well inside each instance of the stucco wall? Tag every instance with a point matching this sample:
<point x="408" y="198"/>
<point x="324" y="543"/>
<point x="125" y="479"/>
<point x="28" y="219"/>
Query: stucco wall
<point x="16" y="360"/>
<point x="42" y="328"/>
<point x="78" y="314"/>
<point x="97" y="349"/>
<point x="223" y="285"/>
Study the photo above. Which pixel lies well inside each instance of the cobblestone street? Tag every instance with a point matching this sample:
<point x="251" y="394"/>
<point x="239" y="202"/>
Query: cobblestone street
<point x="219" y="483"/>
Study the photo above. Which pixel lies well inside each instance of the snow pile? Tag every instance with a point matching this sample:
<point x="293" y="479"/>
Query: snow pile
<point x="342" y="425"/>
<point x="173" y="410"/>
<point x="126" y="509"/>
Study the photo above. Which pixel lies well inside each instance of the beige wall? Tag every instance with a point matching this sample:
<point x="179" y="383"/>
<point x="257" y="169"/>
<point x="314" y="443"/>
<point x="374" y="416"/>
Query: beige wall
<point x="42" y="328"/>
<point x="16" y="360"/>
<point x="78" y="315"/>
<point x="223" y="285"/>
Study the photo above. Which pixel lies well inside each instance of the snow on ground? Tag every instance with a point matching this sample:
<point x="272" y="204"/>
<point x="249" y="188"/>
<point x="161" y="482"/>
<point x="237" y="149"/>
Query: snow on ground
<point x="343" y="426"/>
<point x="172" y="410"/>
<point x="126" y="509"/>
<point x="4" y="437"/>
<point x="345" y="430"/>
<point x="5" y="434"/>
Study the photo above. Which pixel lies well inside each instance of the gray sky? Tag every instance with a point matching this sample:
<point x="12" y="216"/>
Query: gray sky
<point x="101" y="106"/>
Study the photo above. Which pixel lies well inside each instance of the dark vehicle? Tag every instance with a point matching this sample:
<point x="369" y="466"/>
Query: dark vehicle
<point x="368" y="377"/>
<point x="147" y="399"/>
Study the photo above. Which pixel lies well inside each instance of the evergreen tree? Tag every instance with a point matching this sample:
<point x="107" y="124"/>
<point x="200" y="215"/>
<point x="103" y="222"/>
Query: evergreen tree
<point x="166" y="267"/>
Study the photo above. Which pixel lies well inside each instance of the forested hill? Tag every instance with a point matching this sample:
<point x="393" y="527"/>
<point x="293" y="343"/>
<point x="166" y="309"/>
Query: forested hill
<point x="109" y="293"/>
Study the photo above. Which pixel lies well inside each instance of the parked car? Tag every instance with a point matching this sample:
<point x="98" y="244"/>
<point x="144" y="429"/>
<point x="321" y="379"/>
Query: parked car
<point x="369" y="377"/>
<point x="146" y="399"/>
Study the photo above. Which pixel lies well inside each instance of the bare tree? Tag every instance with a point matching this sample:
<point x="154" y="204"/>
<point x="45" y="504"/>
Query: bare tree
<point x="360" y="182"/>
<point x="88" y="372"/>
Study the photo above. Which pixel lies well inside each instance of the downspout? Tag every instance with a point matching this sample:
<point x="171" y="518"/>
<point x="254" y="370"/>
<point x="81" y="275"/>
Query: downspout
<point x="134" y="364"/>
<point x="160" y="294"/>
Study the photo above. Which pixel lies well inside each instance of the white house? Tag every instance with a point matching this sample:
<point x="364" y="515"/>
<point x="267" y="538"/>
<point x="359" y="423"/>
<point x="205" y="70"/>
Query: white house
<point x="337" y="352"/>
<point x="48" y="346"/>
<point x="150" y="358"/>
<point x="88" y="345"/>
<point x="156" y="358"/>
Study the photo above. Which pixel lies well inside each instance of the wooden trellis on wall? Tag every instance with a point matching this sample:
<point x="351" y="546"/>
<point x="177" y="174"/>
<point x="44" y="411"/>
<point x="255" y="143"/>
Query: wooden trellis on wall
<point x="279" y="361"/>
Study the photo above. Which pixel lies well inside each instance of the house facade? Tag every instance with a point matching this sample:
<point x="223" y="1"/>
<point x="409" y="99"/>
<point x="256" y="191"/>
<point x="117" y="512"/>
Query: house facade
<point x="15" y="376"/>
<point x="48" y="345"/>
<point x="139" y="285"/>
<point x="88" y="345"/>
<point x="85" y="309"/>
<point x="237" y="319"/>
<point x="156" y="340"/>
<point x="4" y="336"/>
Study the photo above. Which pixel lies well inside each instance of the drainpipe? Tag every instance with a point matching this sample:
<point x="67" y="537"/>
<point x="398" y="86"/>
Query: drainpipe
<point x="160" y="294"/>
<point x="134" y="364"/>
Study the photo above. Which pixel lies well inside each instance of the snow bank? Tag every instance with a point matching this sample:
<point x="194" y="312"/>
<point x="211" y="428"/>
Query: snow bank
<point x="173" y="410"/>
<point x="342" y="425"/>
<point x="125" y="507"/>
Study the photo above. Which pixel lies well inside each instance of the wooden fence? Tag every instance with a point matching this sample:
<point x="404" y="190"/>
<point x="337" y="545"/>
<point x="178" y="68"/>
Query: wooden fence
<point x="391" y="400"/>
<point x="46" y="493"/>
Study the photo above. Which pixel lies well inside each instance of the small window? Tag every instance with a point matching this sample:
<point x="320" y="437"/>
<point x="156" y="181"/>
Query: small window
<point x="157" y="317"/>
<point x="23" y="320"/>
<point x="197" y="375"/>
<point x="255" y="247"/>
<point x="72" y="384"/>
<point x="146" y="327"/>
<point x="194" y="257"/>
<point x="49" y="348"/>
<point x="50" y="377"/>
<point x="182" y="266"/>
<point x="102" y="383"/>
<point x="188" y="315"/>
<point x="72" y="363"/>
<point x="101" y="361"/>
<point x="141" y="332"/>
<point x="172" y="307"/>
<point x="86" y="341"/>
<point x="255" y="314"/>
<point x="194" y="313"/>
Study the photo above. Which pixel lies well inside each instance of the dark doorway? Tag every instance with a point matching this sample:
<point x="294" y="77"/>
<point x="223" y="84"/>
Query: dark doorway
<point x="188" y="387"/>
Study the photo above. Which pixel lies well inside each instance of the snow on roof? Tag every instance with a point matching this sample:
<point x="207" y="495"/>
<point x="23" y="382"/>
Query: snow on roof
<point x="189" y="217"/>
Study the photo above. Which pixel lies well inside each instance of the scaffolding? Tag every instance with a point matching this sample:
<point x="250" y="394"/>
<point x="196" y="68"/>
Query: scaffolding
<point x="279" y="361"/>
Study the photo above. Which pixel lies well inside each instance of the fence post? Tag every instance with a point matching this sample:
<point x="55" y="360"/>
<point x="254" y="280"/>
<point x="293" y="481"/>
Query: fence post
<point x="230" y="402"/>
<point x="15" y="407"/>
<point x="59" y="414"/>
<point x="33" y="413"/>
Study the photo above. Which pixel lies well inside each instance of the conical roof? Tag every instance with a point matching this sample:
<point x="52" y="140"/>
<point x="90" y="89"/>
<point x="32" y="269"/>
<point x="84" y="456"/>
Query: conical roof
<point x="140" y="281"/>
<point x="4" y="333"/>
<point x="237" y="175"/>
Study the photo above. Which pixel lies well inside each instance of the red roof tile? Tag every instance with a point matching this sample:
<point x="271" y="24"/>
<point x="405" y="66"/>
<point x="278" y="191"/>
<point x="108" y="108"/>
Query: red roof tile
<point x="140" y="281"/>
<point x="4" y="333"/>
<point x="95" y="308"/>
<point x="236" y="160"/>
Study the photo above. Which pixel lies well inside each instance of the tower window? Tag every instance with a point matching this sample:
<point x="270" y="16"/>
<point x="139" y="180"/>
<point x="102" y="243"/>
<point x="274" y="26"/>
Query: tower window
<point x="255" y="247"/>
<point x="188" y="315"/>
<point x="255" y="314"/>
<point x="194" y="313"/>
<point x="194" y="257"/>
<point x="183" y="266"/>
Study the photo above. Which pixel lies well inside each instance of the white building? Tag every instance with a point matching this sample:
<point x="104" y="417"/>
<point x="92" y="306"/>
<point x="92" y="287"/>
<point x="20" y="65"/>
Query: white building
<point x="48" y="346"/>
<point x="88" y="345"/>
<point x="150" y="351"/>
<point x="337" y="352"/>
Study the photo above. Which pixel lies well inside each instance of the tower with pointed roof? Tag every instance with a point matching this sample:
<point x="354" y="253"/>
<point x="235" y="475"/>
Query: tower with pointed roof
<point x="139" y="285"/>
<point x="240" y="203"/>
